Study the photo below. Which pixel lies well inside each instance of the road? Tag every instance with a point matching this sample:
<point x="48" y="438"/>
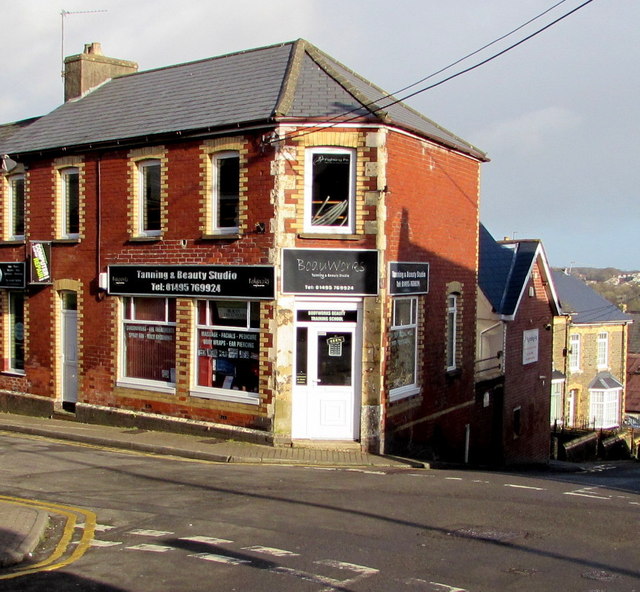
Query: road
<point x="166" y="524"/>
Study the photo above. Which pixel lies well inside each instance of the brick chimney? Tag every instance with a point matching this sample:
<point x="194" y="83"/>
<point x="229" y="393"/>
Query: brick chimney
<point x="87" y="70"/>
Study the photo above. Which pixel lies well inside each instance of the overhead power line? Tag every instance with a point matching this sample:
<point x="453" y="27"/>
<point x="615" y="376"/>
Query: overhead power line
<point x="379" y="103"/>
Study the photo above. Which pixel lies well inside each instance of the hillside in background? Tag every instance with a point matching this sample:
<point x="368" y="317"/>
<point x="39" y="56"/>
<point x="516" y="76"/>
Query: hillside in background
<point x="622" y="288"/>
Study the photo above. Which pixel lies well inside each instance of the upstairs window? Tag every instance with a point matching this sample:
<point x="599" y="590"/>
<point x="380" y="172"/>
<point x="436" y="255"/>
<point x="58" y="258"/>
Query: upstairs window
<point x="149" y="177"/>
<point x="70" y="203"/>
<point x="574" y="353"/>
<point x="330" y="190"/>
<point x="603" y="350"/>
<point x="225" y="192"/>
<point x="16" y="207"/>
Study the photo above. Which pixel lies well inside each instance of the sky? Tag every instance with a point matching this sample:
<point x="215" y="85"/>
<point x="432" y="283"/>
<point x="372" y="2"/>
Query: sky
<point x="558" y="115"/>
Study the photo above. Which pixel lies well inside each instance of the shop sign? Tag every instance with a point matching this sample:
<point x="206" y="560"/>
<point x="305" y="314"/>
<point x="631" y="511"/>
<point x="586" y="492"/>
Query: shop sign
<point x="340" y="272"/>
<point x="12" y="275"/>
<point x="327" y="316"/>
<point x="224" y="281"/>
<point x="530" y="339"/>
<point x="40" y="267"/>
<point x="408" y="278"/>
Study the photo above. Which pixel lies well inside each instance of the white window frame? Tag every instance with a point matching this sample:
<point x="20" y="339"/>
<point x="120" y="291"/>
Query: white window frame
<point x="603" y="350"/>
<point x="604" y="408"/>
<point x="142" y="200"/>
<point x="12" y="327"/>
<point x="65" y="173"/>
<point x="452" y="332"/>
<point x="13" y="210"/>
<point x="216" y="159"/>
<point x="205" y="392"/>
<point x="169" y="386"/>
<point x="557" y="406"/>
<point x="574" y="353"/>
<point x="309" y="227"/>
<point x="406" y="390"/>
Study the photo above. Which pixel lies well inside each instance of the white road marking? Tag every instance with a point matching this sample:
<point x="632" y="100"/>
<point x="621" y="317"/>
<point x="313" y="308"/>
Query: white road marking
<point x="150" y="533"/>
<point x="366" y="472"/>
<point x="524" y="487"/>
<point x="586" y="493"/>
<point x="361" y="569"/>
<point x="99" y="543"/>
<point x="453" y="478"/>
<point x="220" y="558"/>
<point x="151" y="548"/>
<point x="271" y="551"/>
<point x="206" y="539"/>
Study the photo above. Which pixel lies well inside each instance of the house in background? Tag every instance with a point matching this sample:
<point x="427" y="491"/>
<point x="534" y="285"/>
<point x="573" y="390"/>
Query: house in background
<point x="516" y="307"/>
<point x="590" y="357"/>
<point x="632" y="400"/>
<point x="263" y="245"/>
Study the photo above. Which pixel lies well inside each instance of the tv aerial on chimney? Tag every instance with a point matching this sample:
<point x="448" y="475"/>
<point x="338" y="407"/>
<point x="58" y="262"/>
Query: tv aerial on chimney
<point x="64" y="13"/>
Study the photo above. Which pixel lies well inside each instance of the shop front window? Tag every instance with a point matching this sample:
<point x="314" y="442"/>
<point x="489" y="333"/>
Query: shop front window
<point x="403" y="348"/>
<point x="228" y="348"/>
<point x="150" y="339"/>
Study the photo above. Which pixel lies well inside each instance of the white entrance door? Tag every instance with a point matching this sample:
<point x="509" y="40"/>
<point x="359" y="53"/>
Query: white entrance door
<point x="69" y="347"/>
<point x="326" y="381"/>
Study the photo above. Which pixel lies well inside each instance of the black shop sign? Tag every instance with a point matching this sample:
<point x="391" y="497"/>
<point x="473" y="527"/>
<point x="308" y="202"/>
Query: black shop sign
<point x="224" y="281"/>
<point x="12" y="275"/>
<point x="340" y="272"/>
<point x="408" y="278"/>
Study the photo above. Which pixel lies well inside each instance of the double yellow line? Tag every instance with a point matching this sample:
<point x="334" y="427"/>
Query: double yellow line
<point x="67" y="550"/>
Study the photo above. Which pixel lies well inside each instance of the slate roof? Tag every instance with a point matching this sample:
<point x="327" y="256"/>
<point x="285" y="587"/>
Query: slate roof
<point x="584" y="304"/>
<point x="605" y="380"/>
<point x="504" y="270"/>
<point x="290" y="81"/>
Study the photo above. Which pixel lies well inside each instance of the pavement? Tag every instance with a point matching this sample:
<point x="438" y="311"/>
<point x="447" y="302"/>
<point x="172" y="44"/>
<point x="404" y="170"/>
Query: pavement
<point x="22" y="526"/>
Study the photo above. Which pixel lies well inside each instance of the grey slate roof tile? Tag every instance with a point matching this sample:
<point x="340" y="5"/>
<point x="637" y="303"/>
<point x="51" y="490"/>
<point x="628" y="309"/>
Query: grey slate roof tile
<point x="583" y="303"/>
<point x="231" y="90"/>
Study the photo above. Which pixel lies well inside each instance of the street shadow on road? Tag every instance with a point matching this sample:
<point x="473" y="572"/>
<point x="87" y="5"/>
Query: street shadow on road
<point x="150" y="480"/>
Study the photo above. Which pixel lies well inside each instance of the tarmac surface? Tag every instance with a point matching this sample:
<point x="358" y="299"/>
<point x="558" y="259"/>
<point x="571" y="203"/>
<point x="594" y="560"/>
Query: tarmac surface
<point x="22" y="526"/>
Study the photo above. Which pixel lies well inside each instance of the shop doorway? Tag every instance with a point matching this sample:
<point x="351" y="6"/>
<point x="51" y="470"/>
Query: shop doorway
<point x="327" y="378"/>
<point x="69" y="334"/>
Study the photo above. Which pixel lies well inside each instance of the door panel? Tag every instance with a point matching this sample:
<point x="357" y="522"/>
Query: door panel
<point x="324" y="405"/>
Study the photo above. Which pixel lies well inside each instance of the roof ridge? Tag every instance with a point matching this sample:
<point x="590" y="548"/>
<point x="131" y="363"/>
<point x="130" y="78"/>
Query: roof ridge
<point x="209" y="59"/>
<point x="291" y="78"/>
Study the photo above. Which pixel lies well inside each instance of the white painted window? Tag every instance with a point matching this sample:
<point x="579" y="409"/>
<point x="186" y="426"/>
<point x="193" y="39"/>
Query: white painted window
<point x="16" y="331"/>
<point x="604" y="409"/>
<point x="227" y="350"/>
<point x="574" y="353"/>
<point x="70" y="202"/>
<point x="150" y="203"/>
<point x="603" y="350"/>
<point x="330" y="190"/>
<point x="452" y="331"/>
<point x="16" y="207"/>
<point x="149" y="341"/>
<point x="557" y="411"/>
<point x="225" y="192"/>
<point x="403" y="349"/>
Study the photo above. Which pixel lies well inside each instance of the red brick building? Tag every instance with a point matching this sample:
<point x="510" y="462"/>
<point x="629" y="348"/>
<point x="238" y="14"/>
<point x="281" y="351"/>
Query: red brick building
<point x="516" y="307"/>
<point x="261" y="244"/>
